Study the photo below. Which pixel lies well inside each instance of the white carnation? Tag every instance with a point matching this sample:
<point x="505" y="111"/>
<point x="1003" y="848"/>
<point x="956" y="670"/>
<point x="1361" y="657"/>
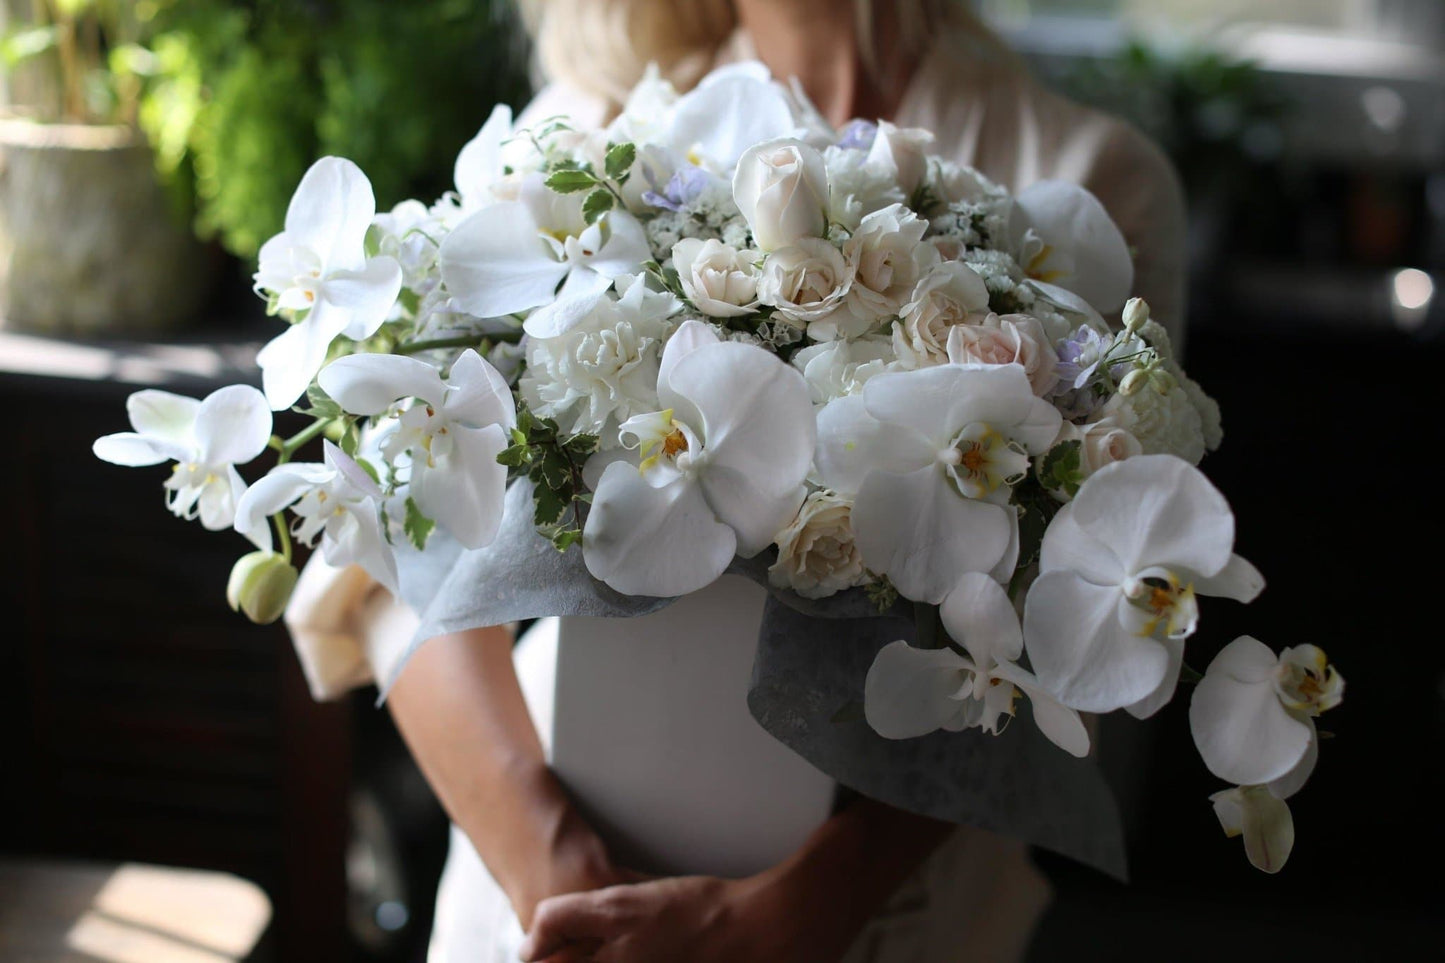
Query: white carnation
<point x="857" y="188"/>
<point x="835" y="369"/>
<point x="603" y="370"/>
<point x="817" y="556"/>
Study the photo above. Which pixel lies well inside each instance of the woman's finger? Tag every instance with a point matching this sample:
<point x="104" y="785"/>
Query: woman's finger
<point x="560" y="920"/>
<point x="582" y="952"/>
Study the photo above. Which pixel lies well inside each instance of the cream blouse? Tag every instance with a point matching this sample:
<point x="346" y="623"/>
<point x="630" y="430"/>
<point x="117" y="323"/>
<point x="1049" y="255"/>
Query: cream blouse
<point x="986" y="111"/>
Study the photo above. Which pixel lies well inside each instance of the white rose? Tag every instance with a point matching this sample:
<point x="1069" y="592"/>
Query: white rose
<point x="889" y="257"/>
<point x="857" y="188"/>
<point x="1011" y="339"/>
<point x="721" y="281"/>
<point x="901" y="152"/>
<point x="806" y="282"/>
<point x="947" y="296"/>
<point x="835" y="369"/>
<point x="781" y="187"/>
<point x="817" y="556"/>
<point x="1165" y="421"/>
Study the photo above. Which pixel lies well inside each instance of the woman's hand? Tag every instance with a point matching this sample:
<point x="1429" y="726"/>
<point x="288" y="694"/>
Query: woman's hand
<point x="696" y="918"/>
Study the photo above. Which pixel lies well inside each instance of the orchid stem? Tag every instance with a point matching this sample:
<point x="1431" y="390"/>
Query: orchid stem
<point x="465" y="341"/>
<point x="291" y="445"/>
<point x="282" y="535"/>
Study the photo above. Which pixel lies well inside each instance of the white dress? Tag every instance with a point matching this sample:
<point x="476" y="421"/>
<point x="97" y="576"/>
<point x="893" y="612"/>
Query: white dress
<point x="692" y="783"/>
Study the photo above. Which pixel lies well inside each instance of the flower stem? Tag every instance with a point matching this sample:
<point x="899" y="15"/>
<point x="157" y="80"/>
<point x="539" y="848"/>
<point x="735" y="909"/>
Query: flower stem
<point x="461" y="341"/>
<point x="291" y="445"/>
<point x="282" y="535"/>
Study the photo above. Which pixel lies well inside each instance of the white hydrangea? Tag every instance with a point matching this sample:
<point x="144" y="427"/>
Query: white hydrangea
<point x="1162" y="416"/>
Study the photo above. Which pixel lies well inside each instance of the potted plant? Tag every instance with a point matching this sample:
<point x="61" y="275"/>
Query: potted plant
<point x="90" y="241"/>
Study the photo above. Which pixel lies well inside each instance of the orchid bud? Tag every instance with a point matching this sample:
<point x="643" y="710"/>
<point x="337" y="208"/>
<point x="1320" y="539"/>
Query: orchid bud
<point x="260" y="585"/>
<point x="1133" y="381"/>
<point x="1136" y="314"/>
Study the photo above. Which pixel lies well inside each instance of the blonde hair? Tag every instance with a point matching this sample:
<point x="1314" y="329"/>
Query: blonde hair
<point x="603" y="46"/>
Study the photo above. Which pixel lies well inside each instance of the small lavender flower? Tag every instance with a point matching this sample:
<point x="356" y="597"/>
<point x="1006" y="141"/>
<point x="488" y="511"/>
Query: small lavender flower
<point x="858" y="135"/>
<point x="683" y="189"/>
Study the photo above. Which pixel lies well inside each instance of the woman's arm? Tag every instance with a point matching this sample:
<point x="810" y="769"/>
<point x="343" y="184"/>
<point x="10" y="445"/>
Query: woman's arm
<point x="808" y="909"/>
<point x="459" y="707"/>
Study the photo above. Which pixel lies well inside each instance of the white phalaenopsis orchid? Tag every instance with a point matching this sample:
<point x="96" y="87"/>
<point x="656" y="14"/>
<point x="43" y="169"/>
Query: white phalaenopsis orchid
<point x="206" y="439"/>
<point x="912" y="692"/>
<point x="1120" y="569"/>
<point x="318" y="268"/>
<point x="931" y="455"/>
<point x="1062" y="235"/>
<point x="517" y="255"/>
<point x="1252" y="714"/>
<point x="448" y="432"/>
<point x="336" y="502"/>
<point x="1262" y="818"/>
<point x="732" y="109"/>
<point x="721" y="472"/>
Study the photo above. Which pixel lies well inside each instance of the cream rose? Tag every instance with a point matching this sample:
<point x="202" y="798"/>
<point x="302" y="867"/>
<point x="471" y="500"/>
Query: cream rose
<point x="817" y="556"/>
<point x="781" y="187"/>
<point x="1010" y="339"/>
<point x="721" y="281"/>
<point x="947" y="296"/>
<point x="806" y="282"/>
<point x="902" y="152"/>
<point x="889" y="257"/>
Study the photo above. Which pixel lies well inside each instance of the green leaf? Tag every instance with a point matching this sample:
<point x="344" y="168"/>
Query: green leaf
<point x="322" y="404"/>
<point x="515" y="456"/>
<point x="565" y="538"/>
<point x="580" y="446"/>
<point x="571" y="181"/>
<point x="1061" y="470"/>
<point x="556" y="470"/>
<point x="550" y="506"/>
<point x="882" y="594"/>
<point x="417" y="526"/>
<point x="350" y="439"/>
<point x="596" y="204"/>
<point x="619" y="161"/>
<point x="370" y="469"/>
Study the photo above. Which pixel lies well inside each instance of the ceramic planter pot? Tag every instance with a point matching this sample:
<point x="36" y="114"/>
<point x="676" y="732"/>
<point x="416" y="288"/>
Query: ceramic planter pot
<point x="88" y="243"/>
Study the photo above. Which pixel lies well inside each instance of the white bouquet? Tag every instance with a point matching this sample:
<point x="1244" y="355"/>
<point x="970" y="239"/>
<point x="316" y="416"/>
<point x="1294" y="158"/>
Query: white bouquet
<point x="720" y="330"/>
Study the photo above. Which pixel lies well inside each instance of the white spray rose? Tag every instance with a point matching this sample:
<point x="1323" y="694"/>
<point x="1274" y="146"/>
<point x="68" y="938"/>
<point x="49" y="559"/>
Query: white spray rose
<point x="1100" y="444"/>
<point x="721" y="281"/>
<point x="817" y="556"/>
<point x="1010" y="339"/>
<point x="781" y="187"/>
<point x="949" y="295"/>
<point x="889" y="257"/>
<point x="806" y="282"/>
<point x="901" y="152"/>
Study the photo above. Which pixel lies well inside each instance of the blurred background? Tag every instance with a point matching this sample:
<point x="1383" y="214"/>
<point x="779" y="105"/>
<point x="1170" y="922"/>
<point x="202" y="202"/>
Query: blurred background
<point x="172" y="792"/>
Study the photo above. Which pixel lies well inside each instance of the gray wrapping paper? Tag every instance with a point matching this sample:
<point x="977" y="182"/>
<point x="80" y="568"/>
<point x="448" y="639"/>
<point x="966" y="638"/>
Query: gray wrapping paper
<point x="806" y="689"/>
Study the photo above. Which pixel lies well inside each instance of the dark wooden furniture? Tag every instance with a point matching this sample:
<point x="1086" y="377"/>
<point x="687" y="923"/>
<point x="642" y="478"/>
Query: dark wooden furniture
<point x="144" y="720"/>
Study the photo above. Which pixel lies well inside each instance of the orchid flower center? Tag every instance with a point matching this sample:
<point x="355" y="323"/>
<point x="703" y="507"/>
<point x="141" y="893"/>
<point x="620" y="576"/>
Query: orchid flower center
<point x="1162" y="605"/>
<point x="188" y="482"/>
<point x="315" y="511"/>
<point x="664" y="443"/>
<point x="420" y="428"/>
<point x="980" y="461"/>
<point x="1306" y="681"/>
<point x="1036" y="268"/>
